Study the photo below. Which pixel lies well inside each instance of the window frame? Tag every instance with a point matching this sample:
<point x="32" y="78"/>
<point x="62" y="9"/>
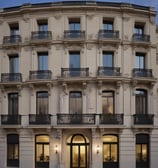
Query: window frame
<point x="139" y="57"/>
<point x="74" y="24"/>
<point x="13" y="63"/>
<point x="106" y="55"/>
<point x="13" y="103"/>
<point x="42" y="61"/>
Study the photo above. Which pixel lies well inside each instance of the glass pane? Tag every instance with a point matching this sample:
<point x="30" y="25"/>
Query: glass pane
<point x="43" y="61"/>
<point x="108" y="59"/>
<point x="138" y="152"/>
<point x="43" y="27"/>
<point x="110" y="138"/>
<point x="107" y="25"/>
<point x="46" y="153"/>
<point x="114" y="153"/>
<point x="74" y="60"/>
<point x="82" y="156"/>
<point x="13" y="103"/>
<point x="107" y="102"/>
<point x="78" y="139"/>
<point x="106" y="152"/>
<point x="144" y="152"/>
<point x="75" y="156"/>
<point x="138" y="30"/>
<point x="140" y="61"/>
<point x="74" y="25"/>
<point x="39" y="153"/>
<point x="14" y="64"/>
<point x="42" y="138"/>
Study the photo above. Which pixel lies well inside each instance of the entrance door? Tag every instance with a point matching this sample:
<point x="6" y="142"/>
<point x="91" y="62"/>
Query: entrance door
<point x="79" y="151"/>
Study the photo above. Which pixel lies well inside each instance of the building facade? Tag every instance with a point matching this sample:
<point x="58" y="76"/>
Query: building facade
<point x="78" y="86"/>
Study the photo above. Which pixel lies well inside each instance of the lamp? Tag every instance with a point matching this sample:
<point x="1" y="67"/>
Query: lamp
<point x="56" y="149"/>
<point x="97" y="149"/>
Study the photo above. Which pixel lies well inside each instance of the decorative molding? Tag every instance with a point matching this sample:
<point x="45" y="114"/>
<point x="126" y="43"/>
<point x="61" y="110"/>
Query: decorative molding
<point x="58" y="15"/>
<point x="118" y="84"/>
<point x="100" y="83"/>
<point x="84" y="85"/>
<point x="90" y="15"/>
<point x="32" y="89"/>
<point x="64" y="86"/>
<point x="26" y="17"/>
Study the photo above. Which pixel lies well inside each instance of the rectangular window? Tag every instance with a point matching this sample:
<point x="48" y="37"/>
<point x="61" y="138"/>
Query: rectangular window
<point x="75" y="102"/>
<point x="140" y="60"/>
<point x="42" y="102"/>
<point x="42" y="25"/>
<point x="139" y="29"/>
<point x="74" y="24"/>
<point x="14" y="29"/>
<point x="108" y="102"/>
<point x="12" y="150"/>
<point x="14" y="64"/>
<point x="108" y="59"/>
<point x="43" y="61"/>
<point x="13" y="103"/>
<point x="108" y="25"/>
<point x="74" y="59"/>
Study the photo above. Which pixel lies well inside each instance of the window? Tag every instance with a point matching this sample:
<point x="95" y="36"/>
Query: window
<point x="141" y="101"/>
<point x="110" y="151"/>
<point x="108" y="102"/>
<point x="142" y="151"/>
<point x="43" y="61"/>
<point x="12" y="150"/>
<point x="42" y="25"/>
<point x="74" y="61"/>
<point x="13" y="103"/>
<point x="14" y="64"/>
<point x="139" y="29"/>
<point x="14" y="29"/>
<point x="108" y="59"/>
<point x="74" y="24"/>
<point x="42" y="151"/>
<point x="140" y="60"/>
<point x="108" y="25"/>
<point x="42" y="103"/>
<point x="75" y="102"/>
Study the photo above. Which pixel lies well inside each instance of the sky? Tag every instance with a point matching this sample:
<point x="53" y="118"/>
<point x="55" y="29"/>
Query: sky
<point x="11" y="3"/>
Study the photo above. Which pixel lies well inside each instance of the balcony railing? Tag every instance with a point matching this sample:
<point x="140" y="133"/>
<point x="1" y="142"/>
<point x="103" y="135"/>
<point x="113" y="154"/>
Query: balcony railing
<point x="41" y="35"/>
<point x="109" y="71"/>
<point x="138" y="72"/>
<point x="74" y="72"/>
<point x="76" y="119"/>
<point x="111" y="119"/>
<point x="74" y="34"/>
<point x="13" y="39"/>
<point x="141" y="38"/>
<point x="103" y="34"/>
<point x="41" y="75"/>
<point x="11" y="77"/>
<point x="143" y="119"/>
<point x="13" y="162"/>
<point x="39" y="119"/>
<point x="10" y="119"/>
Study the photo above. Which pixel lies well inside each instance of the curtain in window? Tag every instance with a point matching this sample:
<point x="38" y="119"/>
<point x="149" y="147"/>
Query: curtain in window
<point x="42" y="61"/>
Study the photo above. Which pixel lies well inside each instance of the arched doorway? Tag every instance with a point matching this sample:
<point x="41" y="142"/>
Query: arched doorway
<point x="79" y="151"/>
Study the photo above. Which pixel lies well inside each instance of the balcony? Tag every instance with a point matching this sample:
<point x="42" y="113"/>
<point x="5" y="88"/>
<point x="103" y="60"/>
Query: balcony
<point x="74" y="72"/>
<point x="109" y="71"/>
<point x="40" y="75"/>
<point x="111" y="119"/>
<point x="41" y="36"/>
<point x="80" y="119"/>
<point x="39" y="119"/>
<point x="74" y="35"/>
<point x="11" y="77"/>
<point x="11" y="40"/>
<point x="138" y="72"/>
<point x="11" y="119"/>
<point x="141" y="38"/>
<point x="143" y="119"/>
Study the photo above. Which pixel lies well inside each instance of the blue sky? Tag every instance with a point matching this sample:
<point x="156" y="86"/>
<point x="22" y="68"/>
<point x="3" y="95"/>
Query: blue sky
<point x="10" y="3"/>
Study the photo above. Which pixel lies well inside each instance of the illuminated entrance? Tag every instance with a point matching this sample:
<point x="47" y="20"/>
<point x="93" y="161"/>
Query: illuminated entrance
<point x="79" y="151"/>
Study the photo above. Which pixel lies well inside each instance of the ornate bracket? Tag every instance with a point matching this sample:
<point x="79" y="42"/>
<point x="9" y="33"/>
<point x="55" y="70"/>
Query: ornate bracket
<point x="64" y="86"/>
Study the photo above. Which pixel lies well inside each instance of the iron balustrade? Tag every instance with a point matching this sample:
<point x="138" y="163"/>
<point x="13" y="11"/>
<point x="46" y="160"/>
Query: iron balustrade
<point x="141" y="38"/>
<point x="74" y="72"/>
<point x="110" y="164"/>
<point x="113" y="34"/>
<point x="109" y="71"/>
<point x="75" y="118"/>
<point x="143" y="119"/>
<point x="11" y="77"/>
<point x="13" y="162"/>
<point x="11" y="119"/>
<point x="40" y="74"/>
<point x="111" y="119"/>
<point x="13" y="39"/>
<point x="39" y="119"/>
<point x="40" y="35"/>
<point x="74" y="34"/>
<point x="138" y="72"/>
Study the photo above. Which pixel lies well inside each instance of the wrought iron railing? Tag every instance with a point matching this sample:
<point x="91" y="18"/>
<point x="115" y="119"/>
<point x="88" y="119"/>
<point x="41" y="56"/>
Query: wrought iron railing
<point x="40" y="74"/>
<point x="13" y="162"/>
<point x="75" y="118"/>
<point x="110" y="164"/>
<point x="109" y="71"/>
<point x="74" y="34"/>
<point x="143" y="119"/>
<point x="138" y="72"/>
<point x="141" y="37"/>
<point x="74" y="72"/>
<point x="108" y="34"/>
<point x="10" y="119"/>
<point x="111" y="119"/>
<point x="37" y="119"/>
<point x="11" y="77"/>
<point x="41" y="35"/>
<point x="13" y="39"/>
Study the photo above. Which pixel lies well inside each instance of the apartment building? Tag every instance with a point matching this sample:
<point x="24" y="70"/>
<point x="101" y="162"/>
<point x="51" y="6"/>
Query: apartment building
<point x="78" y="86"/>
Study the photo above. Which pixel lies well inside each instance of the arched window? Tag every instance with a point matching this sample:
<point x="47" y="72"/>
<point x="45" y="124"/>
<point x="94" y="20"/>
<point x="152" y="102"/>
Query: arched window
<point x="110" y="151"/>
<point x="42" y="151"/>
